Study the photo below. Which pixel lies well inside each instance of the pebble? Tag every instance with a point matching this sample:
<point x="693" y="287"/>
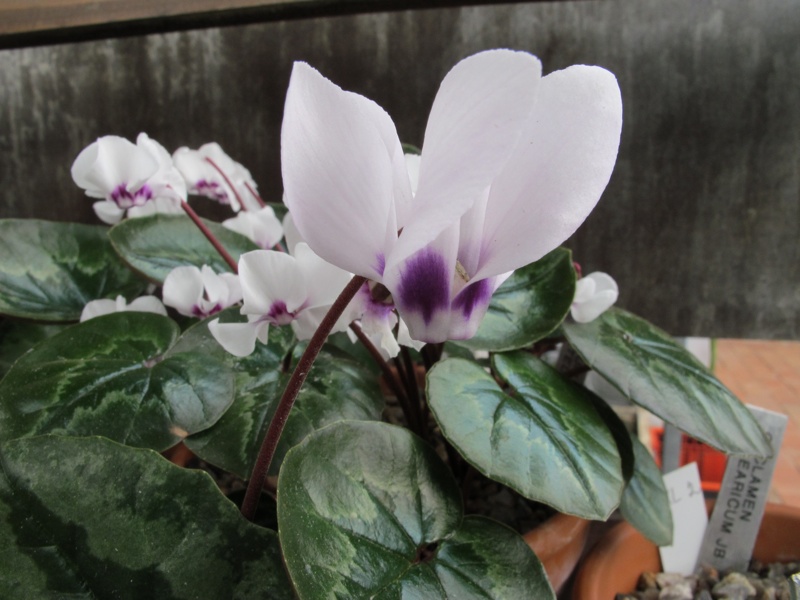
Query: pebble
<point x="761" y="582"/>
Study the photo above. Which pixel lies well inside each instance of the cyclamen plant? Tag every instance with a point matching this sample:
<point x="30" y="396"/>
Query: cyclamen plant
<point x="429" y="263"/>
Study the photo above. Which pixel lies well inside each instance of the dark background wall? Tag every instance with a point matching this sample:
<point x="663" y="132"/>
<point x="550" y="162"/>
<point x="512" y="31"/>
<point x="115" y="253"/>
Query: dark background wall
<point x="699" y="223"/>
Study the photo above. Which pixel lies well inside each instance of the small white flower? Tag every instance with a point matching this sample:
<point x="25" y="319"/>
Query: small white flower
<point x="136" y="178"/>
<point x="280" y="289"/>
<point x="594" y="294"/>
<point x="200" y="292"/>
<point x="97" y="308"/>
<point x="261" y="226"/>
<point x="210" y="172"/>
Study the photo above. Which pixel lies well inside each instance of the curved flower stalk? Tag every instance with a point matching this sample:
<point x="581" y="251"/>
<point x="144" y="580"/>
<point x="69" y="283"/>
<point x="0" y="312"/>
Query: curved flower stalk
<point x="261" y="226"/>
<point x="104" y="306"/>
<point x="210" y="172"/>
<point x="137" y="179"/>
<point x="594" y="295"/>
<point x="281" y="289"/>
<point x="200" y="293"/>
<point x="511" y="165"/>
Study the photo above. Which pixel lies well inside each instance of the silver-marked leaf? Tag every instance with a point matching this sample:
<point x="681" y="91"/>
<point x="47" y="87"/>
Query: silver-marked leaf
<point x="529" y="305"/>
<point x="89" y="518"/>
<point x="49" y="270"/>
<point x="337" y="388"/>
<point x="368" y="510"/>
<point x="651" y="369"/>
<point x="112" y="376"/>
<point x="17" y="337"/>
<point x="543" y="437"/>
<point x="157" y="244"/>
<point x="645" y="503"/>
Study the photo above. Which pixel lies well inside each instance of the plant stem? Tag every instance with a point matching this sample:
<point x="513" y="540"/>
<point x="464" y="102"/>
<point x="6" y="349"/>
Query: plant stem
<point x="258" y="198"/>
<point x="391" y="378"/>
<point x="209" y="236"/>
<point x="278" y="422"/>
<point x="228" y="181"/>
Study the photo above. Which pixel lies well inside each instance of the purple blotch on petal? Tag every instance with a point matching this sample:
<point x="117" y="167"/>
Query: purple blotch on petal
<point x="475" y="295"/>
<point x="424" y="285"/>
<point x="278" y="314"/>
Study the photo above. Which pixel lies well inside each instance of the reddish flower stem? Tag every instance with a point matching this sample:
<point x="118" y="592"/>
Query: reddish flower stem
<point x="278" y="422"/>
<point x="228" y="181"/>
<point x="258" y="198"/>
<point x="209" y="236"/>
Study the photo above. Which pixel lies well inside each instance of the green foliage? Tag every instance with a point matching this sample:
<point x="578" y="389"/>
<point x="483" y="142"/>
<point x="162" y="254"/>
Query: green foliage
<point x="651" y="369"/>
<point x="542" y="437"/>
<point x="115" y="376"/>
<point x="155" y="245"/>
<point x="369" y="510"/>
<point x="149" y="530"/>
<point x="49" y="271"/>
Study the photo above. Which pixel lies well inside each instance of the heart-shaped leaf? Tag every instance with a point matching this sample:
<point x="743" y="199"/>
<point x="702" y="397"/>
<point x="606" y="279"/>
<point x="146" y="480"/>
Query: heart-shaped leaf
<point x="529" y="305"/>
<point x="157" y="244"/>
<point x="337" y="388"/>
<point x="49" y="270"/>
<point x="645" y="503"/>
<point x="651" y="369"/>
<point x="89" y="518"/>
<point x="369" y="510"/>
<point x="543" y="437"/>
<point x="111" y="376"/>
<point x="17" y="337"/>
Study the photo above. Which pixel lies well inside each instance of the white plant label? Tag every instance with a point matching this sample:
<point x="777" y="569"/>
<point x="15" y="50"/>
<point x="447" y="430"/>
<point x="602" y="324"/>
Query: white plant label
<point x="734" y="524"/>
<point x="689" y="517"/>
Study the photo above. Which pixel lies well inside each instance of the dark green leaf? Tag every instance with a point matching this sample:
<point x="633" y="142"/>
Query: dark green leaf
<point x="157" y="244"/>
<point x="369" y="510"/>
<point x="542" y="438"/>
<point x="112" y="376"/>
<point x="529" y="305"/>
<point x="337" y="388"/>
<point x="651" y="369"/>
<point x="89" y="518"/>
<point x="49" y="271"/>
<point x="17" y="337"/>
<point x="645" y="503"/>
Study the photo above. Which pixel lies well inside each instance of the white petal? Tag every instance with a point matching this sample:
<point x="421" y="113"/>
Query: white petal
<point x="97" y="308"/>
<point x="476" y="119"/>
<point x="324" y="281"/>
<point x="183" y="289"/>
<point x="238" y="339"/>
<point x="594" y="294"/>
<point x="148" y="304"/>
<point x="559" y="171"/>
<point x="108" y="212"/>
<point x="293" y="236"/>
<point x="109" y="162"/>
<point x="404" y="337"/>
<point x="260" y="226"/>
<point x="267" y="277"/>
<point x="342" y="164"/>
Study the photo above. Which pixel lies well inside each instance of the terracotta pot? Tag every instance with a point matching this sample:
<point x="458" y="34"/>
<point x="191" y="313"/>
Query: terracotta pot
<point x="559" y="543"/>
<point x="614" y="565"/>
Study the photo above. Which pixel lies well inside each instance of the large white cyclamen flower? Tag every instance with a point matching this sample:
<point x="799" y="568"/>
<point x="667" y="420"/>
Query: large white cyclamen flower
<point x="104" y="306"/>
<point x="281" y="289"/>
<point x="210" y="172"/>
<point x="200" y="292"/>
<point x="594" y="295"/>
<point x="138" y="178"/>
<point x="261" y="226"/>
<point x="511" y="165"/>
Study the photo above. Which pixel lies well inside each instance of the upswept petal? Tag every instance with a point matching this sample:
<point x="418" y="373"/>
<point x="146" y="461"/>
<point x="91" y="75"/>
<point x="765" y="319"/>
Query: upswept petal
<point x="267" y="277"/>
<point x="111" y="161"/>
<point x="594" y="294"/>
<point x="290" y="233"/>
<point x="148" y="304"/>
<point x="475" y="122"/>
<point x="261" y="226"/>
<point x="340" y="162"/>
<point x="559" y="171"/>
<point x="238" y="339"/>
<point x="325" y="281"/>
<point x="98" y="308"/>
<point x="183" y="289"/>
